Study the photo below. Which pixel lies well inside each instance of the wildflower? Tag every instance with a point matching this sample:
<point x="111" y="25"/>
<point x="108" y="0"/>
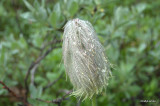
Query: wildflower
<point x="84" y="59"/>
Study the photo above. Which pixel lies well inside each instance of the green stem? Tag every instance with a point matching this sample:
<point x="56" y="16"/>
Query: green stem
<point x="94" y="100"/>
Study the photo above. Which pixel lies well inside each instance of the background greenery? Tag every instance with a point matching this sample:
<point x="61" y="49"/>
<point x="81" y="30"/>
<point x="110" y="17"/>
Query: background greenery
<point x="128" y="29"/>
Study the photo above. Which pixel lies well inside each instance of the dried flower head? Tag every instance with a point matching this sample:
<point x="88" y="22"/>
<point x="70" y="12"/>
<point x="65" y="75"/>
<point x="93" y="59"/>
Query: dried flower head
<point x="84" y="59"/>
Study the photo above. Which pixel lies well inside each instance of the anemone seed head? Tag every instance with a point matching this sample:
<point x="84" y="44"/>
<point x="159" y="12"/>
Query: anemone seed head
<point x="84" y="59"/>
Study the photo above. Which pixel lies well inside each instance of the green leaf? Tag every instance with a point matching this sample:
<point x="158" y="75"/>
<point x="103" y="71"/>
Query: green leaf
<point x="2" y="10"/>
<point x="141" y="7"/>
<point x="51" y="76"/>
<point x="28" y="16"/>
<point x="154" y="85"/>
<point x="43" y="3"/>
<point x="53" y="19"/>
<point x="134" y="89"/>
<point x="33" y="91"/>
<point x="73" y="8"/>
<point x="42" y="13"/>
<point x="29" y="6"/>
<point x="35" y="102"/>
<point x="2" y="91"/>
<point x="142" y="47"/>
<point x="39" y="91"/>
<point x="57" y="9"/>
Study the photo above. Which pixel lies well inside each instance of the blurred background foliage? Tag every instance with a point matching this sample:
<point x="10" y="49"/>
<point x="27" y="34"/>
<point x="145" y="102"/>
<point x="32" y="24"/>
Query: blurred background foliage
<point x="128" y="29"/>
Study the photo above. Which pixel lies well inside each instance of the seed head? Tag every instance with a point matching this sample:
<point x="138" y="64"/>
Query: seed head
<point x="84" y="59"/>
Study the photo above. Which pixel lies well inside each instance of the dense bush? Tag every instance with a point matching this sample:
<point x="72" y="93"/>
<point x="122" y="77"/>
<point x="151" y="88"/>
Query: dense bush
<point x="33" y="29"/>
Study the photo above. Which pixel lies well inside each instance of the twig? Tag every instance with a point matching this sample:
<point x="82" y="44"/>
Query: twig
<point x="21" y="99"/>
<point x="37" y="48"/>
<point x="34" y="69"/>
<point x="8" y="89"/>
<point x="33" y="73"/>
<point x="79" y="102"/>
<point x="50" y="43"/>
<point x="52" y="83"/>
<point x="34" y="64"/>
<point x="57" y="101"/>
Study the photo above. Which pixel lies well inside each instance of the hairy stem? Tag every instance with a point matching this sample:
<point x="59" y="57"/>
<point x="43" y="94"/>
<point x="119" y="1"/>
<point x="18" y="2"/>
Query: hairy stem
<point x="94" y="101"/>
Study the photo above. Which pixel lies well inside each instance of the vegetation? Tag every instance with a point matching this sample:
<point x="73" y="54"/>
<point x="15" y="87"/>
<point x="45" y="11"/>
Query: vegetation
<point x="31" y="63"/>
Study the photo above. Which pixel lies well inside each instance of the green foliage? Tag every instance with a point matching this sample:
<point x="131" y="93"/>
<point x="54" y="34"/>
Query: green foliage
<point x="129" y="30"/>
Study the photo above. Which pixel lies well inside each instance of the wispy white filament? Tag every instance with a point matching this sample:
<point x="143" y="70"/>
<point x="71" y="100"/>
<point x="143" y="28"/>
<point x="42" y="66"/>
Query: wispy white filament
<point x="84" y="59"/>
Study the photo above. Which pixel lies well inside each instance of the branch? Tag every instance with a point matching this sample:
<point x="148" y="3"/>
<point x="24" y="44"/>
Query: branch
<point x="50" y="43"/>
<point x="21" y="99"/>
<point x="34" y="64"/>
<point x="37" y="48"/>
<point x="57" y="101"/>
<point x="52" y="83"/>
<point x="79" y="102"/>
<point x="33" y="73"/>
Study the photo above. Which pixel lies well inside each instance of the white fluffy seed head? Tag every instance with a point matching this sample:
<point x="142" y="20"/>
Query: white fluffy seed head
<point x="84" y="59"/>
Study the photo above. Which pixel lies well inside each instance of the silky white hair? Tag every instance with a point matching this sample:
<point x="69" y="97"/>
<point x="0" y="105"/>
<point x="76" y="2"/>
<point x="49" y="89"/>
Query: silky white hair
<point x="84" y="59"/>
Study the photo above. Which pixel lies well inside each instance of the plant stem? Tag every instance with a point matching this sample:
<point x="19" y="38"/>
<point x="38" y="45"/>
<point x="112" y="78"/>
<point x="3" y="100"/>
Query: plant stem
<point x="94" y="100"/>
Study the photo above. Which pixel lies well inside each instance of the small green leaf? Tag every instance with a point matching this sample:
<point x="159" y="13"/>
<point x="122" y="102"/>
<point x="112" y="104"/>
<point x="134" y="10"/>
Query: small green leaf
<point x="57" y="9"/>
<point x="141" y="7"/>
<point x="134" y="89"/>
<point x="53" y="19"/>
<point x="39" y="91"/>
<point x="73" y="8"/>
<point x="153" y="85"/>
<point x="142" y="47"/>
<point x="36" y="102"/>
<point x="42" y="13"/>
<point x="43" y="3"/>
<point x="29" y="6"/>
<point x="33" y="91"/>
<point x="98" y="2"/>
<point x="51" y="76"/>
<point x="2" y="91"/>
<point x="28" y="16"/>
